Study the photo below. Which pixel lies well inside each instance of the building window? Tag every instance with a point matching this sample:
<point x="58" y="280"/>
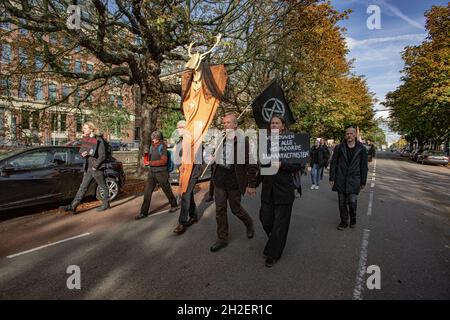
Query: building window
<point x="35" y="119"/>
<point x="89" y="98"/>
<point x="78" y="66"/>
<point x="6" y="54"/>
<point x="89" y="68"/>
<point x="23" y="31"/>
<point x="23" y="88"/>
<point x="65" y="91"/>
<point x="111" y="99"/>
<point x="66" y="64"/>
<point x="137" y="134"/>
<point x="5" y="86"/>
<point x="5" y="25"/>
<point x="38" y="90"/>
<point x="79" y="122"/>
<point x="78" y="49"/>
<point x="52" y="39"/>
<point x="25" y="119"/>
<point x="77" y="96"/>
<point x="54" y="123"/>
<point x="2" y="121"/>
<point x="119" y="102"/>
<point x="23" y="57"/>
<point x="63" y="122"/>
<point x="39" y="62"/>
<point x="52" y="92"/>
<point x="66" y="42"/>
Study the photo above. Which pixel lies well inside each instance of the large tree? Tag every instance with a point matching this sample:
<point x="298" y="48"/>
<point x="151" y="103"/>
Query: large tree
<point x="421" y="105"/>
<point x="135" y="39"/>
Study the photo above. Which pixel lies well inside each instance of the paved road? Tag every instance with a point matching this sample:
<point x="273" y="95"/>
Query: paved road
<point x="403" y="228"/>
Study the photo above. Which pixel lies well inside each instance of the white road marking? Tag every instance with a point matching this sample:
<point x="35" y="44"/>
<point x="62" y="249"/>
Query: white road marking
<point x="360" y="276"/>
<point x="369" y="210"/>
<point x="47" y="245"/>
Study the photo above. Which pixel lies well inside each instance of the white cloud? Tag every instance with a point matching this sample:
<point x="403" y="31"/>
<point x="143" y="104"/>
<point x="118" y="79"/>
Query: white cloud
<point x="396" y="11"/>
<point x="353" y="43"/>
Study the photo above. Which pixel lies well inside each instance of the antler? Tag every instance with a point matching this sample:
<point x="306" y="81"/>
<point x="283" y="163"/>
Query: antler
<point x="219" y="36"/>
<point x="189" y="49"/>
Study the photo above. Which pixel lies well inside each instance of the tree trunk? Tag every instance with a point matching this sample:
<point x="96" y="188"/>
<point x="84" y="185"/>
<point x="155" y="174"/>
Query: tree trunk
<point x="148" y="125"/>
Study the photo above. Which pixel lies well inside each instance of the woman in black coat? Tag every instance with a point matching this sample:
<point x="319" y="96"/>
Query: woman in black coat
<point x="277" y="196"/>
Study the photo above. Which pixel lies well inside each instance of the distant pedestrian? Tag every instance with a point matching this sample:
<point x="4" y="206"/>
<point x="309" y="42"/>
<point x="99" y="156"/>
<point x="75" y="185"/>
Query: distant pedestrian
<point x="371" y="150"/>
<point x="348" y="176"/>
<point x="94" y="151"/>
<point x="277" y="197"/>
<point x="158" y="174"/>
<point x="318" y="160"/>
<point x="328" y="156"/>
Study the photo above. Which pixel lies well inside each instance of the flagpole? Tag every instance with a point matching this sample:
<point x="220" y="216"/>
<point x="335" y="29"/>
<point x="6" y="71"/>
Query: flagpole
<point x="223" y="138"/>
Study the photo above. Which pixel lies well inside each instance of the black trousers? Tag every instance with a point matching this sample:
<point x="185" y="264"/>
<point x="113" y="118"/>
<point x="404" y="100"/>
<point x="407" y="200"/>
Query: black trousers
<point x="154" y="178"/>
<point x="275" y="219"/>
<point x="99" y="176"/>
<point x="211" y="188"/>
<point x="234" y="199"/>
<point x="347" y="205"/>
<point x="188" y="207"/>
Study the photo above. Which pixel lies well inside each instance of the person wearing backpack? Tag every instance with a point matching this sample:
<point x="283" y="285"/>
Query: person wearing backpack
<point x="158" y="161"/>
<point x="94" y="150"/>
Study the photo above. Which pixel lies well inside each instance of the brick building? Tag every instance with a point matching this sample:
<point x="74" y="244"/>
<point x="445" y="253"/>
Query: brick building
<point x="26" y="114"/>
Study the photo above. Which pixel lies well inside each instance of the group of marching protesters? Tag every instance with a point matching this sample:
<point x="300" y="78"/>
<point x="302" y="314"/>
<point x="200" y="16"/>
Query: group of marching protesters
<point x="231" y="179"/>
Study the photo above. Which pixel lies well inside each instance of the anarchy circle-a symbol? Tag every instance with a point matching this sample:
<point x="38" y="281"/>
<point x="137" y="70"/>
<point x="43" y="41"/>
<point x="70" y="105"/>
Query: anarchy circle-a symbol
<point x="271" y="107"/>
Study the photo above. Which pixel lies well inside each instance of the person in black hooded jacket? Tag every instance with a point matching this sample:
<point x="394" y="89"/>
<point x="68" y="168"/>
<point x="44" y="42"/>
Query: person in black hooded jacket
<point x="277" y="198"/>
<point x="348" y="175"/>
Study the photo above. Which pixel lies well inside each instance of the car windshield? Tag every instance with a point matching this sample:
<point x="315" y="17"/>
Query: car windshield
<point x="6" y="153"/>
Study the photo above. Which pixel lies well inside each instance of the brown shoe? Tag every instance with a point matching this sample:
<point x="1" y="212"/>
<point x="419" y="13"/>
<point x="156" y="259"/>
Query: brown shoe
<point x="191" y="221"/>
<point x="180" y="229"/>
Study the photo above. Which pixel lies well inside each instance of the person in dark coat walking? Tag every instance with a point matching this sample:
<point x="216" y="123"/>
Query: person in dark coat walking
<point x="277" y="197"/>
<point x="371" y="150"/>
<point x="232" y="179"/>
<point x="93" y="150"/>
<point x="319" y="159"/>
<point x="348" y="176"/>
<point x="158" y="174"/>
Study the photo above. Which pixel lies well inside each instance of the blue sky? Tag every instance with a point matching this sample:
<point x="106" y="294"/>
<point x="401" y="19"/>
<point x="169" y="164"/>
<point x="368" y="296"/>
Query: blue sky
<point x="377" y="52"/>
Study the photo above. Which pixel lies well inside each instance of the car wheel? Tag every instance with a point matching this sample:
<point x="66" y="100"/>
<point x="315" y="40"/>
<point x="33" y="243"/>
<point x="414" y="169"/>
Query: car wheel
<point x="113" y="187"/>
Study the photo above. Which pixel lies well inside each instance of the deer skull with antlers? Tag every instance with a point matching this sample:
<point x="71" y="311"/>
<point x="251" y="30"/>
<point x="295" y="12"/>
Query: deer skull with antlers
<point x="196" y="59"/>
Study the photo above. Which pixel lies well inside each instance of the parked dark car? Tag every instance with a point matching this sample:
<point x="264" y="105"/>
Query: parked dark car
<point x="433" y="157"/>
<point x="174" y="176"/>
<point x="49" y="174"/>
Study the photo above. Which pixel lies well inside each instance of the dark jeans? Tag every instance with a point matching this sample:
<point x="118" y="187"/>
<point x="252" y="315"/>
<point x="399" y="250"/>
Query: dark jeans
<point x="234" y="199"/>
<point x="154" y="178"/>
<point x="99" y="176"/>
<point x="347" y="204"/>
<point x="275" y="220"/>
<point x="188" y="207"/>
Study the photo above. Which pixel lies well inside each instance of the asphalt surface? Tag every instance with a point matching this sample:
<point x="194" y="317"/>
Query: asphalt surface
<point x="404" y="230"/>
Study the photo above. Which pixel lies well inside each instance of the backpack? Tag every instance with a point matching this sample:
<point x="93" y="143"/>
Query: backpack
<point x="170" y="162"/>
